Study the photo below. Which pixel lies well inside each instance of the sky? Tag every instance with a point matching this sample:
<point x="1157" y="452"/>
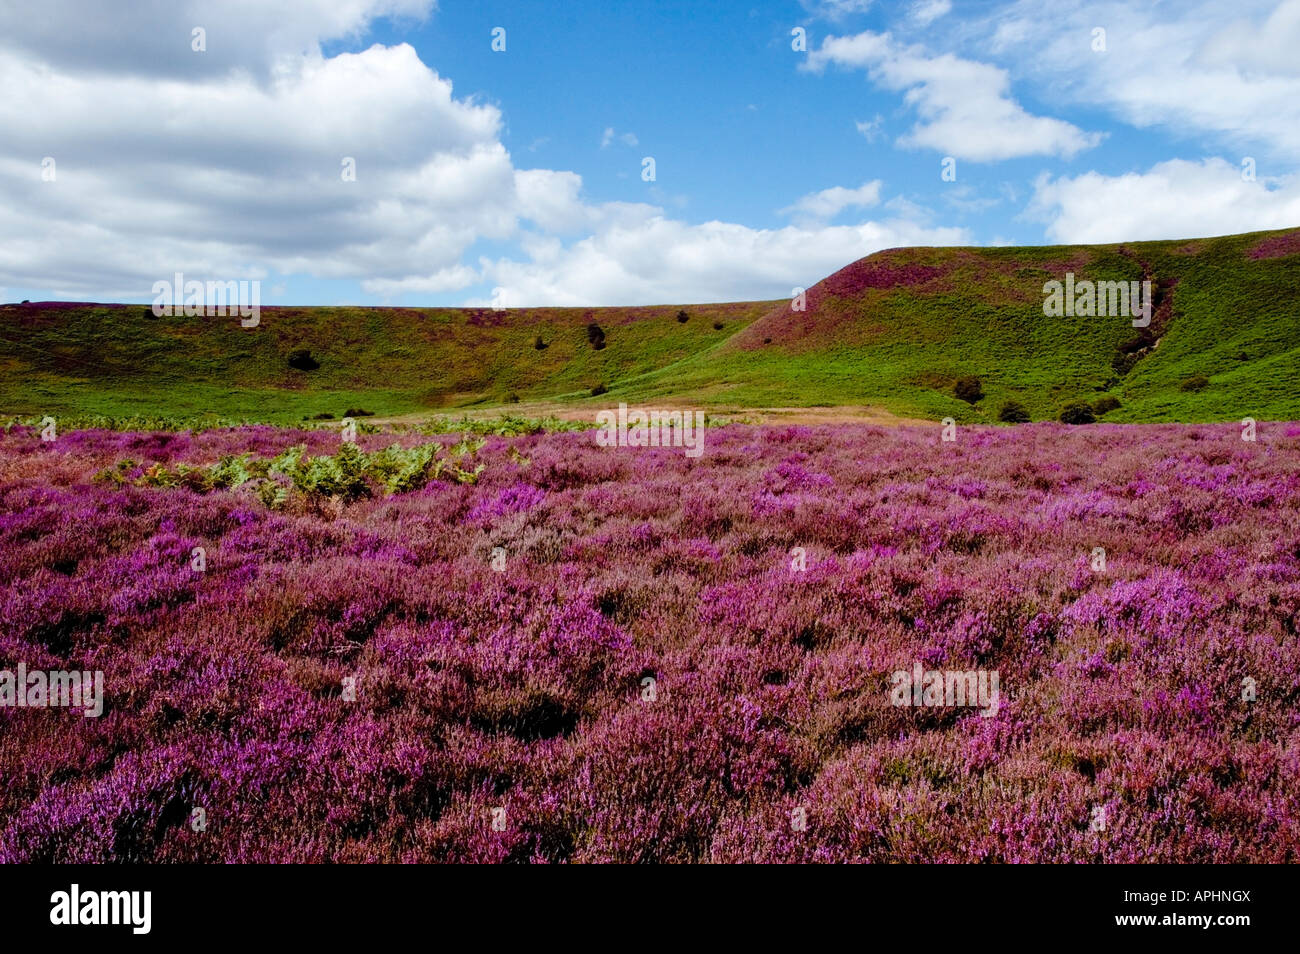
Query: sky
<point x="407" y="152"/>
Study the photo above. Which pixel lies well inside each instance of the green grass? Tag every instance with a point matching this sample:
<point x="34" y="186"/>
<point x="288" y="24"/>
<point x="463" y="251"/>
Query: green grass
<point x="1231" y="318"/>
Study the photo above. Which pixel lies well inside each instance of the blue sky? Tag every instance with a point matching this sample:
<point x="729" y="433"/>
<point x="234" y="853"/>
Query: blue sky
<point x="515" y="177"/>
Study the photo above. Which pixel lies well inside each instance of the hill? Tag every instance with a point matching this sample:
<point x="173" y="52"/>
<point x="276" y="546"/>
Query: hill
<point x="893" y="330"/>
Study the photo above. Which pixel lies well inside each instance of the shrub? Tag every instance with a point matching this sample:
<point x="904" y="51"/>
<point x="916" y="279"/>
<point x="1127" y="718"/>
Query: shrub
<point x="322" y="416"/>
<point x="1078" y="412"/>
<point x="358" y="412"/>
<point x="598" y="390"/>
<point x="968" y="389"/>
<point x="539" y="344"/>
<point x="1013" y="412"/>
<point x="512" y="398"/>
<point x="682" y="317"/>
<point x="301" y="360"/>
<point x="717" y="326"/>
<point x="1197" y="382"/>
<point x="1104" y="405"/>
<point x="595" y="336"/>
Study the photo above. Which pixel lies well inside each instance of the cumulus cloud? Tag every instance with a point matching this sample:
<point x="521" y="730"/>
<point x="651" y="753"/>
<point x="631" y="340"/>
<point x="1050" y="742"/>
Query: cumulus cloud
<point x="1194" y="69"/>
<point x="964" y="106"/>
<point x="228" y="176"/>
<point x="828" y="203"/>
<point x="661" y="260"/>
<point x="1261" y="47"/>
<point x="156" y="37"/>
<point x="1174" y="199"/>
<point x="237" y="163"/>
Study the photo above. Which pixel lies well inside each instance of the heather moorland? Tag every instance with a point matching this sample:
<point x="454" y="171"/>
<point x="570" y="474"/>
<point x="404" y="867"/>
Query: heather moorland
<point x="460" y="647"/>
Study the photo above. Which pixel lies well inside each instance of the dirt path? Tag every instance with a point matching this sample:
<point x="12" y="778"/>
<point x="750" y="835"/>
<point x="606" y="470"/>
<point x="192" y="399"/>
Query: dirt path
<point x="841" y="414"/>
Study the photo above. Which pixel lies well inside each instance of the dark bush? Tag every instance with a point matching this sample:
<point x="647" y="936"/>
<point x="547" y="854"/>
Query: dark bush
<point x="682" y="317"/>
<point x="323" y="416"/>
<point x="595" y="336"/>
<point x="767" y="341"/>
<point x="301" y="360"/>
<point x="1142" y="340"/>
<point x="512" y="398"/>
<point x="598" y="390"/>
<point x="1197" y="382"/>
<point x="28" y="301"/>
<point x="358" y="412"/>
<point x="539" y="344"/>
<point x="968" y="389"/>
<point x="1104" y="405"/>
<point x="717" y="326"/>
<point x="1013" y="412"/>
<point x="1078" y="412"/>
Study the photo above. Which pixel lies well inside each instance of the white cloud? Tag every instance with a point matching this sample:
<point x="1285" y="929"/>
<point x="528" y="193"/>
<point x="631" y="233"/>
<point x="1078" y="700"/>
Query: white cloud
<point x="1175" y="199"/>
<point x="154" y="37"/>
<point x="627" y="139"/>
<point x="229" y="168"/>
<point x="925" y="12"/>
<point x="828" y="203"/>
<point x="224" y="175"/>
<point x="1267" y="47"/>
<point x="1200" y="69"/>
<point x="870" y="128"/>
<point x="660" y="261"/>
<point x="835" y="9"/>
<point x="964" y="106"/>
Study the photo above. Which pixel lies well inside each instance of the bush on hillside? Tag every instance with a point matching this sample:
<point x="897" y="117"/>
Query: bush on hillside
<point x="598" y="390"/>
<point x="595" y="336"/>
<point x="301" y="360"/>
<point x="1013" y="412"/>
<point x="539" y="344"/>
<point x="1197" y="382"/>
<point x="1078" y="412"/>
<point x="968" y="389"/>
<point x="1106" y="404"/>
<point x="682" y="317"/>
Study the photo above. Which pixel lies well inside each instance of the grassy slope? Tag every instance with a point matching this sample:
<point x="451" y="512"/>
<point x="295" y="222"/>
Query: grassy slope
<point x="117" y="360"/>
<point x="893" y="329"/>
<point x="943" y="313"/>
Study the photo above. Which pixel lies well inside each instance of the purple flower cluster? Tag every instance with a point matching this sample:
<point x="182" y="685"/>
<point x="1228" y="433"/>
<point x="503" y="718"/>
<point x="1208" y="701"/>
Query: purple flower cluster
<point x="614" y="654"/>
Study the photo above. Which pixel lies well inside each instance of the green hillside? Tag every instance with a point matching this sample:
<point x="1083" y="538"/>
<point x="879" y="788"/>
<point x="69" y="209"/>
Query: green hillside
<point x="895" y="329"/>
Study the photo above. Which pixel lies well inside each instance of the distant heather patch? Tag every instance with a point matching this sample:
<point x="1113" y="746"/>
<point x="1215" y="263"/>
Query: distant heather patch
<point x="1278" y="245"/>
<point x="873" y="273"/>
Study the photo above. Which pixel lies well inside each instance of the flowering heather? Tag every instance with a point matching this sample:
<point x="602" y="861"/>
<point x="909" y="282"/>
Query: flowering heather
<point x="617" y="654"/>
